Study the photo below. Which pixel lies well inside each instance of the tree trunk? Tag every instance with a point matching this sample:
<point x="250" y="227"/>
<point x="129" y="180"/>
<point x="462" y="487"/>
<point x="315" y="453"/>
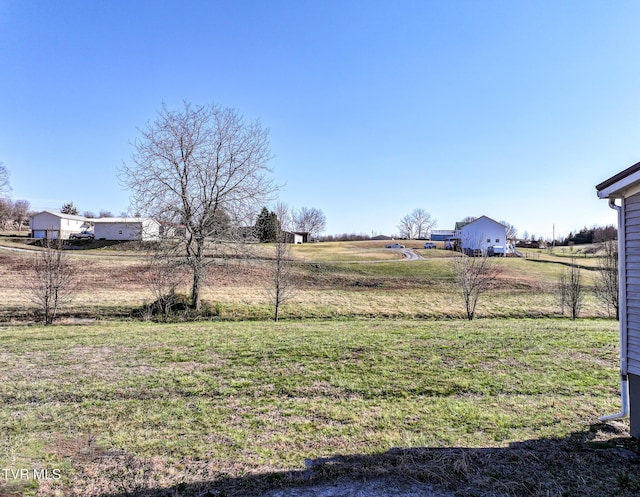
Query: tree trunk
<point x="195" y="288"/>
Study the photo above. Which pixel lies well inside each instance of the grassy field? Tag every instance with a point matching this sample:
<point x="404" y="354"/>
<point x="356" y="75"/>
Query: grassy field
<point x="351" y="279"/>
<point x="372" y="368"/>
<point x="118" y="407"/>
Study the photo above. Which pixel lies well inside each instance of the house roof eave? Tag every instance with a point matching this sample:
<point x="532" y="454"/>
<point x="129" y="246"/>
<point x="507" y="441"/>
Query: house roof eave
<point x="616" y="186"/>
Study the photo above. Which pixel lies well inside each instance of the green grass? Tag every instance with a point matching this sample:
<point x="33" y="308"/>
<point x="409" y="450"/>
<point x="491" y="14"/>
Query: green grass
<point x="261" y="395"/>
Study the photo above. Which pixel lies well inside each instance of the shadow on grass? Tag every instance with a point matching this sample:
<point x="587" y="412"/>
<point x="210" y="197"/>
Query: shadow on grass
<point x="601" y="461"/>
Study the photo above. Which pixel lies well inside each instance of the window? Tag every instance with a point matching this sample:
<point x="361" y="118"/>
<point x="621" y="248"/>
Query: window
<point x="119" y="232"/>
<point x="488" y="240"/>
<point x="497" y="240"/>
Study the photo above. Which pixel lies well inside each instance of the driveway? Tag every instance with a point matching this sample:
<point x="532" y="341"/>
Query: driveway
<point x="410" y="254"/>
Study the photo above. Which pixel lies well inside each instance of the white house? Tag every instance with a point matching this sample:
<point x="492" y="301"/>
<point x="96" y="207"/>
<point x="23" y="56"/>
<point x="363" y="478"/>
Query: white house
<point x="50" y="224"/>
<point x="623" y="193"/>
<point x="126" y="228"/>
<point x="482" y="234"/>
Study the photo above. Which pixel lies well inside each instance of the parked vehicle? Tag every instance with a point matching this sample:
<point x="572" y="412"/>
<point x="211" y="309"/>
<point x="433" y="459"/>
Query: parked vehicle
<point x="429" y="245"/>
<point x="496" y="251"/>
<point x="394" y="245"/>
<point x="83" y="235"/>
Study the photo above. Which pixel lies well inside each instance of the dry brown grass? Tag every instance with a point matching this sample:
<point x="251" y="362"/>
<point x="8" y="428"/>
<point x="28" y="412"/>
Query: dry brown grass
<point x="111" y="283"/>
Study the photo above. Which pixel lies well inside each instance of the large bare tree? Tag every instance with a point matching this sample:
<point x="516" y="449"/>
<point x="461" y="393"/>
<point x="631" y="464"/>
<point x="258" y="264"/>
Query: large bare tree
<point x="310" y="220"/>
<point x="204" y="168"/>
<point x="417" y="224"/>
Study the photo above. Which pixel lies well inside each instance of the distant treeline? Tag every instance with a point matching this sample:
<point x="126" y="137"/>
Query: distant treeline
<point x="344" y="237"/>
<point x="586" y="235"/>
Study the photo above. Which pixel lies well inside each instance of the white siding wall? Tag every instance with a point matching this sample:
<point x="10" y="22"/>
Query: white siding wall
<point x="134" y="229"/>
<point x="475" y="235"/>
<point x="117" y="231"/>
<point x="632" y="271"/>
<point x="49" y="225"/>
<point x="150" y="229"/>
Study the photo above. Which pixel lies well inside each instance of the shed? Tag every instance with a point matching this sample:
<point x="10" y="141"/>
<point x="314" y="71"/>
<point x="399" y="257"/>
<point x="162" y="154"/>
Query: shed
<point x="623" y="193"/>
<point x="296" y="237"/>
<point x="481" y="234"/>
<point x="126" y="228"/>
<point x="56" y="225"/>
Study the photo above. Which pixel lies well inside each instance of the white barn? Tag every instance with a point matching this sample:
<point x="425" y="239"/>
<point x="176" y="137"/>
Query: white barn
<point x="126" y="228"/>
<point x="623" y="193"/>
<point x="481" y="235"/>
<point x="50" y="224"/>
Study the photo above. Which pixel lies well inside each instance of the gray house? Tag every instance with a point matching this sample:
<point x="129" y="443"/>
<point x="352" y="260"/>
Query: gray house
<point x="623" y="193"/>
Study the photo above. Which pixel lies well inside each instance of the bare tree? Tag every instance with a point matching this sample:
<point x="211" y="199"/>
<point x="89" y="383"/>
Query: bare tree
<point x="6" y="213"/>
<point x="474" y="276"/>
<point x="606" y="280"/>
<point x="204" y="168"/>
<point x="5" y="186"/>
<point x="511" y="230"/>
<point x="570" y="292"/>
<point x="162" y="277"/>
<point x="105" y="213"/>
<point x="52" y="282"/>
<point x="282" y="285"/>
<point x="21" y="212"/>
<point x="407" y="227"/>
<point x="423" y="223"/>
<point x="418" y="224"/>
<point x="310" y="220"/>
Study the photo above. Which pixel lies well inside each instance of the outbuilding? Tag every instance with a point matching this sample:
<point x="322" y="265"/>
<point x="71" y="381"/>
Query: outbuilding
<point x="441" y="235"/>
<point x="126" y="228"/>
<point x="296" y="237"/>
<point x="623" y="193"/>
<point x="56" y="225"/>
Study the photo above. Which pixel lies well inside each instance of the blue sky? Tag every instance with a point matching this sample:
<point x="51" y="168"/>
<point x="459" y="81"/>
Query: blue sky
<point x="511" y="109"/>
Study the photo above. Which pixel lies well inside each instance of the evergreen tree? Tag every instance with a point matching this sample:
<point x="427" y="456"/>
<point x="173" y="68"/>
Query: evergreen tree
<point x="266" y="227"/>
<point x="69" y="208"/>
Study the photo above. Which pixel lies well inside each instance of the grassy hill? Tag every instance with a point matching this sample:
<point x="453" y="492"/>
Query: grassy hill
<point x="338" y="279"/>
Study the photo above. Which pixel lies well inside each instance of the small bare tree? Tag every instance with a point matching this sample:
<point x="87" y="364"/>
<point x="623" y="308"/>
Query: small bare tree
<point x="570" y="291"/>
<point x="606" y="279"/>
<point x="52" y="282"/>
<point x="282" y="285"/>
<point x="474" y="276"/>
<point x="162" y="277"/>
